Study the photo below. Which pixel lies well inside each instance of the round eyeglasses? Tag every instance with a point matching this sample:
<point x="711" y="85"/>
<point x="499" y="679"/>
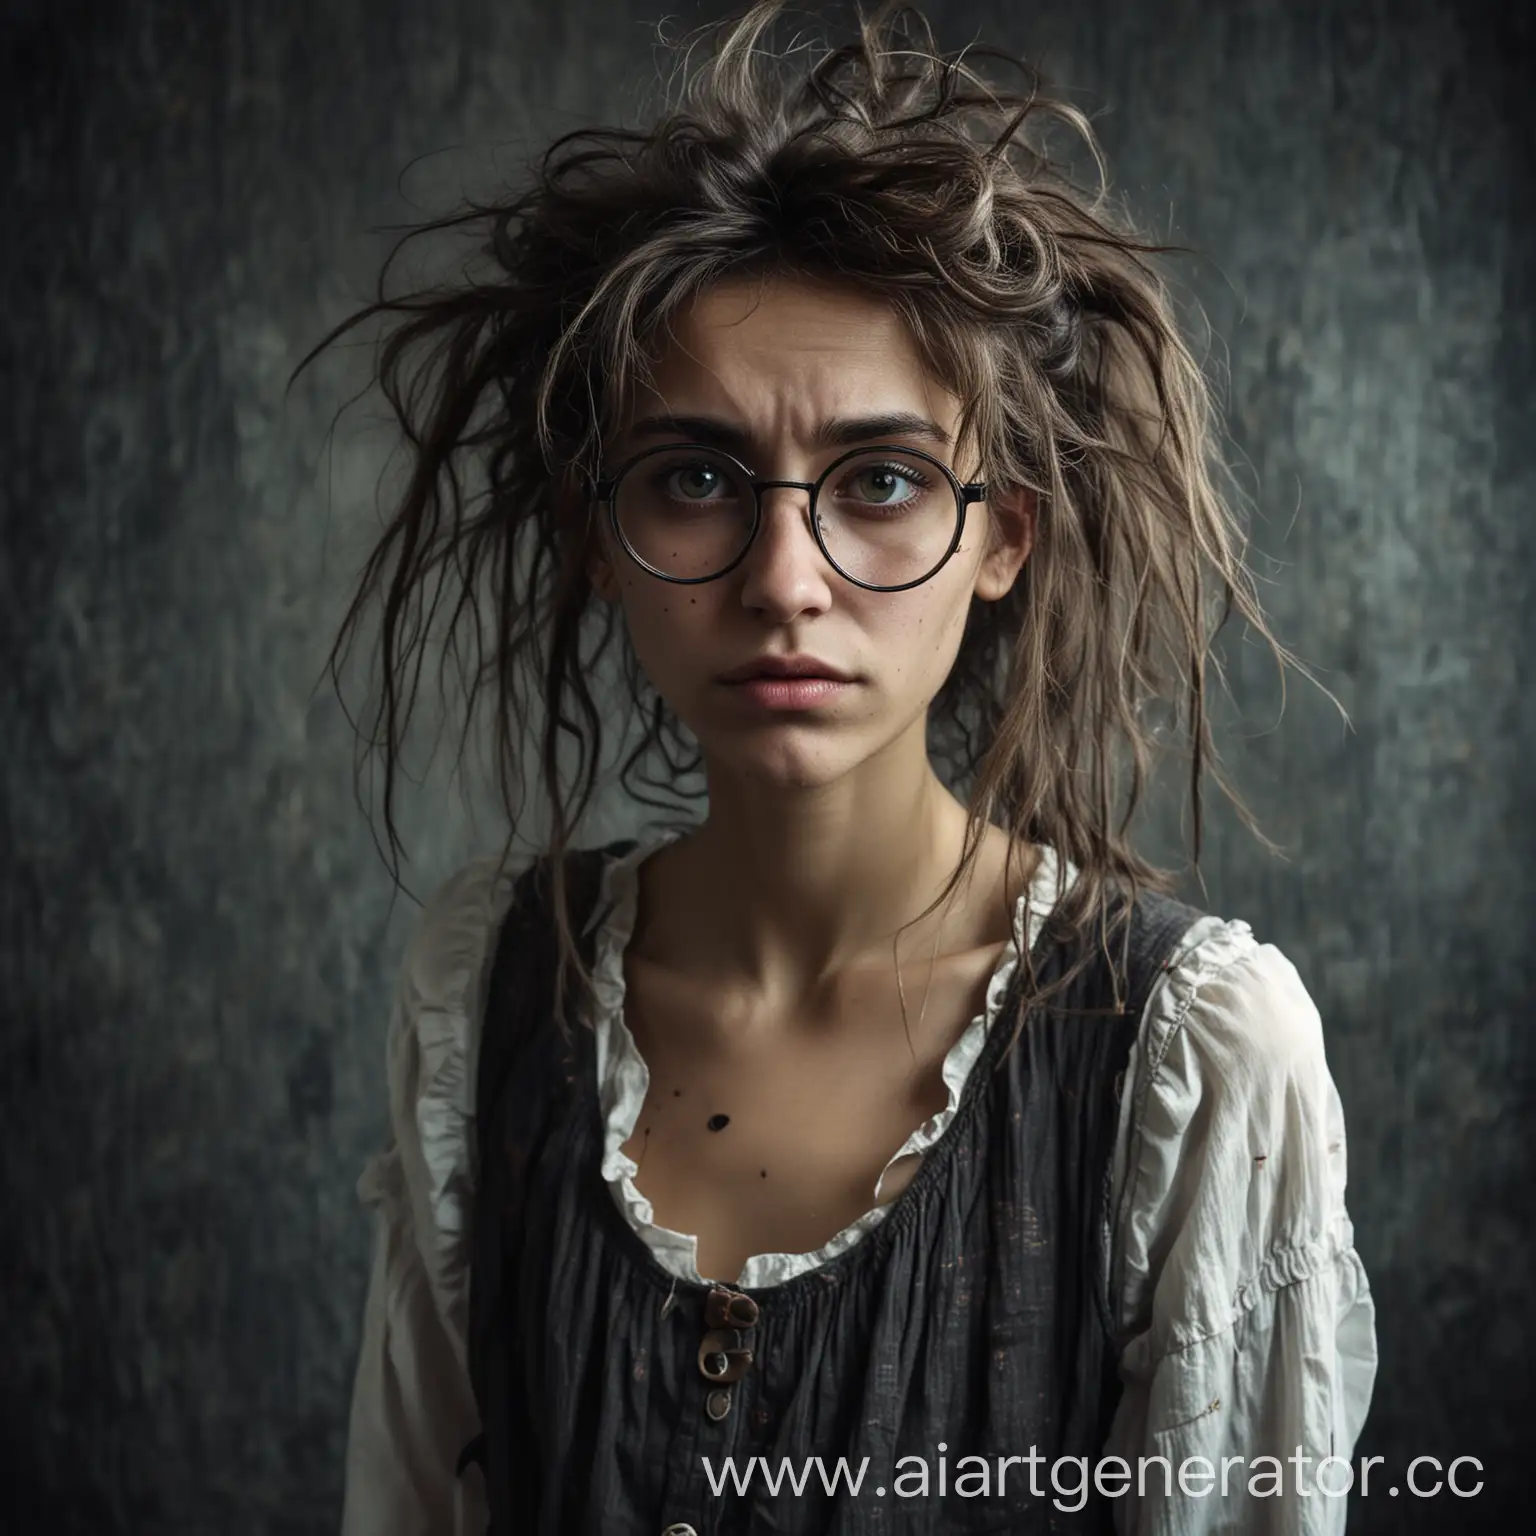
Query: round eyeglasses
<point x="886" y="518"/>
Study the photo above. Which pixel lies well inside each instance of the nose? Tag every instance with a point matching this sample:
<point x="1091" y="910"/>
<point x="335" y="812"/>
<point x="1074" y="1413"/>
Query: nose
<point x="785" y="573"/>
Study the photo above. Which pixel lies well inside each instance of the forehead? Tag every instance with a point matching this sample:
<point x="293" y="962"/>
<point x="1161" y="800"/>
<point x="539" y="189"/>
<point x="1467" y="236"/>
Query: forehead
<point x="782" y="354"/>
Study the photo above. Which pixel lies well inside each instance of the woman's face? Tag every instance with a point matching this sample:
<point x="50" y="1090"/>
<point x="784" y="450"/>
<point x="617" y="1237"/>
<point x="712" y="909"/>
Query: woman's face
<point x="775" y="372"/>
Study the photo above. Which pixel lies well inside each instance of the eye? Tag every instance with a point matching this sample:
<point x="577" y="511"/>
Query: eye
<point x="886" y="485"/>
<point x="694" y="482"/>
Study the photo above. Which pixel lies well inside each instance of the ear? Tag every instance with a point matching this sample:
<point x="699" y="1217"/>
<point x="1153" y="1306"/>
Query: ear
<point x="1011" y="516"/>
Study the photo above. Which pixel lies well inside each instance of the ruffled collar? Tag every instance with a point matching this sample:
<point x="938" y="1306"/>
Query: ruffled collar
<point x="623" y="1078"/>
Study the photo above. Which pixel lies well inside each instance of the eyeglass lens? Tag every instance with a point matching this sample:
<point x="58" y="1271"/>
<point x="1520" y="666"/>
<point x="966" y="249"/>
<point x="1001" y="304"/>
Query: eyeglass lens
<point x="887" y="517"/>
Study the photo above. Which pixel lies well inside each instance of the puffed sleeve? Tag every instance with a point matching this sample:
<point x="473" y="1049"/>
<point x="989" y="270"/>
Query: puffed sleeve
<point x="1247" y="1323"/>
<point x="413" y="1408"/>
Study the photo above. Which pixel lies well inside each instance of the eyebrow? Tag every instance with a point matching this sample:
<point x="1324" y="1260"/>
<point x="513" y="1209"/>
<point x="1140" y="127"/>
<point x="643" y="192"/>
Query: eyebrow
<point x="840" y="432"/>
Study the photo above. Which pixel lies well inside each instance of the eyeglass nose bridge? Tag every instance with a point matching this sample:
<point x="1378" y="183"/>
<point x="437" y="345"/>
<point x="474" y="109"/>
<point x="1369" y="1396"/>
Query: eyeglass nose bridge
<point x="808" y="486"/>
<point x="812" y="516"/>
<point x="760" y="490"/>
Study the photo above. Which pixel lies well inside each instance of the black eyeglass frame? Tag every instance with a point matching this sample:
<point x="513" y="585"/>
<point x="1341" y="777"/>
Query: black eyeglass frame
<point x="606" y="489"/>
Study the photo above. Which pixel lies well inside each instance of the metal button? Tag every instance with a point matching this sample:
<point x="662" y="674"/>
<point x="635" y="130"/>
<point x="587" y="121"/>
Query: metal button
<point x="718" y="1404"/>
<point x="720" y="1358"/>
<point x="679" y="1530"/>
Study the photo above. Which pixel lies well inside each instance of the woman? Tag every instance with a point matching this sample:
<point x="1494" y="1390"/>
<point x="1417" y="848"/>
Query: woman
<point x="924" y="1135"/>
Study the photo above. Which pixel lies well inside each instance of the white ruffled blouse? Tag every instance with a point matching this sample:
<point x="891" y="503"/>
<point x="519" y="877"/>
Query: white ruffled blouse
<point x="1229" y="1249"/>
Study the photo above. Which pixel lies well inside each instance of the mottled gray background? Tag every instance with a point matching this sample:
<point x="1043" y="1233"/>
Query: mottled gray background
<point x="198" y="934"/>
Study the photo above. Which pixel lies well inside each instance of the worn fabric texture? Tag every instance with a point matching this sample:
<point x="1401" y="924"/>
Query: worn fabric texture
<point x="976" y="1315"/>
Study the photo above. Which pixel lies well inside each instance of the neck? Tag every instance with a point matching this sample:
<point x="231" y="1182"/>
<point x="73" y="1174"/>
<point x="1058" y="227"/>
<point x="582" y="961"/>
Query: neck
<point x="789" y="886"/>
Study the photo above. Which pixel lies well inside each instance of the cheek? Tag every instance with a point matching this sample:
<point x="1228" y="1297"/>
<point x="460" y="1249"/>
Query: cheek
<point x="920" y="638"/>
<point x="910" y="655"/>
<point x="666" y="625"/>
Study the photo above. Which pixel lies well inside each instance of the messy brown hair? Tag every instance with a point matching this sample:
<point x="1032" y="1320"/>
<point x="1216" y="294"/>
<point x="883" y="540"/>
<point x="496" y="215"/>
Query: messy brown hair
<point x="925" y="178"/>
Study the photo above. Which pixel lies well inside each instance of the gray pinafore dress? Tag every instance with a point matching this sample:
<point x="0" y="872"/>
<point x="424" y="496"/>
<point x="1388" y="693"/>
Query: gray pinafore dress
<point x="973" y="1322"/>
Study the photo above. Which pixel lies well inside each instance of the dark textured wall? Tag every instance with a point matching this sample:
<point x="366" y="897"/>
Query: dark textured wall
<point x="198" y="936"/>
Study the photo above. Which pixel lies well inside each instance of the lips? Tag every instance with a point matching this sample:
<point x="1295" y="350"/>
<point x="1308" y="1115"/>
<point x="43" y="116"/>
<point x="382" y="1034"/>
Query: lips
<point x="786" y="667"/>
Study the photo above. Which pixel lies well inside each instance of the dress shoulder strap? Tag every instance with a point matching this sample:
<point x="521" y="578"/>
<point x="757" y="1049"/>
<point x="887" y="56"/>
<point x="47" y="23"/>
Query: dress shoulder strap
<point x="1157" y="923"/>
<point x="526" y="958"/>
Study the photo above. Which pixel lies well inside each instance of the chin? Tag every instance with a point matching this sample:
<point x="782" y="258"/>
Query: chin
<point x="786" y="758"/>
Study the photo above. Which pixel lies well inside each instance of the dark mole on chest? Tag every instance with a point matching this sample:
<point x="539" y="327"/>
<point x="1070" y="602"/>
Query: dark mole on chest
<point x="719" y="1122"/>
